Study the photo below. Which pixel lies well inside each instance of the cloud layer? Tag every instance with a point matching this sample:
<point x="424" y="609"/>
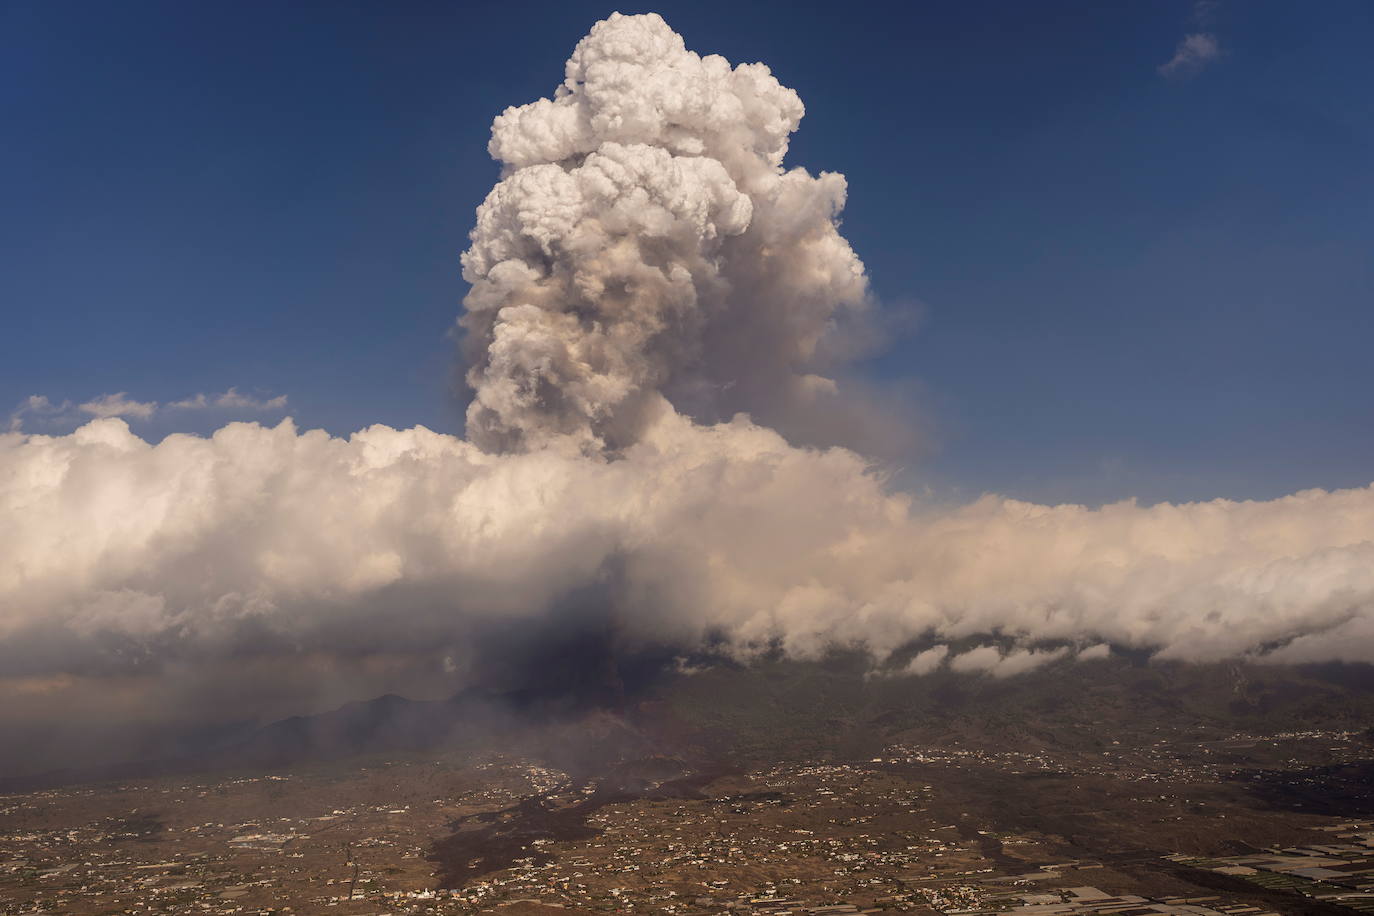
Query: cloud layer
<point x="117" y="550"/>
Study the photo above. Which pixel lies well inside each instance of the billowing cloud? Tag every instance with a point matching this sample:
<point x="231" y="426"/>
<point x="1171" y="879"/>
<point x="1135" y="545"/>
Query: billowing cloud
<point x="111" y="541"/>
<point x="646" y="242"/>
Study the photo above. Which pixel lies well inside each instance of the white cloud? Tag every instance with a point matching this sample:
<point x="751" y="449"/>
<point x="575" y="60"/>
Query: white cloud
<point x="61" y="417"/>
<point x="232" y="399"/>
<point x="981" y="659"/>
<point x="118" y="405"/>
<point x="35" y="406"/>
<point x="927" y="661"/>
<point x="991" y="660"/>
<point x="1193" y="53"/>
<point x="713" y="529"/>
<point x="1019" y="661"/>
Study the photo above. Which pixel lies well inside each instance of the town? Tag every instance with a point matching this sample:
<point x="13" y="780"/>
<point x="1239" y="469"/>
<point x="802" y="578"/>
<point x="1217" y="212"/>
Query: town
<point x="915" y="829"/>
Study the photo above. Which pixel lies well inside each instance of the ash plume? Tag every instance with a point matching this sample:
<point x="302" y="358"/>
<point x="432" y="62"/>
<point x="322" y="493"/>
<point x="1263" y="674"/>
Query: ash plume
<point x="655" y="298"/>
<point x="646" y="243"/>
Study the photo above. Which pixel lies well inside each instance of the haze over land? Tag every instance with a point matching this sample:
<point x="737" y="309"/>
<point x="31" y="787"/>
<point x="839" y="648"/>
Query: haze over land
<point x="660" y="317"/>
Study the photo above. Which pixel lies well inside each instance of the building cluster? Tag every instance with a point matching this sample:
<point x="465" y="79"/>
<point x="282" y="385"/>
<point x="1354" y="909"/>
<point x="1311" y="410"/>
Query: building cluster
<point x="1171" y="756"/>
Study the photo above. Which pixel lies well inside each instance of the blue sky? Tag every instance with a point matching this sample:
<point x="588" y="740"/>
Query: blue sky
<point x="1129" y="283"/>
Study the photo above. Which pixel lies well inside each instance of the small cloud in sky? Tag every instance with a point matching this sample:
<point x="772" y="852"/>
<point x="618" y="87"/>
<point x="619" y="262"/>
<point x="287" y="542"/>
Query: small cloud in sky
<point x="49" y="415"/>
<point x="119" y="405"/>
<point x="35" y="405"/>
<point x="1194" y="52"/>
<point x="232" y="399"/>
